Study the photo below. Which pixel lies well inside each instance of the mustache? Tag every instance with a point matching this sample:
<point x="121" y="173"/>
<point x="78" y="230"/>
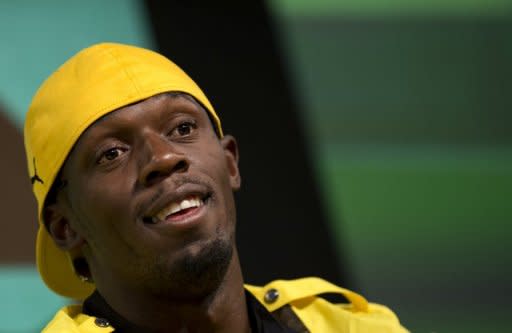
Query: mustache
<point x="176" y="182"/>
<point x="188" y="179"/>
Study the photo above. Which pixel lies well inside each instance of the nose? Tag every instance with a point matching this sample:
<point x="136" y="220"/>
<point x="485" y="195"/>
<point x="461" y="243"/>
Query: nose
<point x="160" y="159"/>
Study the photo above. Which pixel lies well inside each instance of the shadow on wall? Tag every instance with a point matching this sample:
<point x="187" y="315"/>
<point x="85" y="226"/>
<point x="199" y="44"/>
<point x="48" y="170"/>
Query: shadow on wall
<point x="18" y="206"/>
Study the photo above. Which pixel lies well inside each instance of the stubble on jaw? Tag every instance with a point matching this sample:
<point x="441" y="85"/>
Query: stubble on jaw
<point x="193" y="276"/>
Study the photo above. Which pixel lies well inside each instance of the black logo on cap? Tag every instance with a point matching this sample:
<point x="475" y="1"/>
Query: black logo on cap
<point x="35" y="177"/>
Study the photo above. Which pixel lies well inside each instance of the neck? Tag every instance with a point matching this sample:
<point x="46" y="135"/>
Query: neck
<point x="221" y="310"/>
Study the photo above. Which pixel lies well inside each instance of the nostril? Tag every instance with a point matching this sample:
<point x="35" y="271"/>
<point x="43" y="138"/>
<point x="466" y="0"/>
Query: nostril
<point x="152" y="176"/>
<point x="161" y="167"/>
<point x="180" y="166"/>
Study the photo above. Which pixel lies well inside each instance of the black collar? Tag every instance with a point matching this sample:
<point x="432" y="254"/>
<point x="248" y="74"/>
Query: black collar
<point x="260" y="320"/>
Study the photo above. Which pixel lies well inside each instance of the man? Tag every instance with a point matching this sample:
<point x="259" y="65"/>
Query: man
<point x="134" y="180"/>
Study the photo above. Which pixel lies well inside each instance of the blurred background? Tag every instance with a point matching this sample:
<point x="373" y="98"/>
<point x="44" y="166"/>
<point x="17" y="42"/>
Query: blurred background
<point x="375" y="137"/>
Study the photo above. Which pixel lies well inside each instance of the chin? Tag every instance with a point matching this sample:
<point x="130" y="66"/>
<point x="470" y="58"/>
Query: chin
<point x="196" y="274"/>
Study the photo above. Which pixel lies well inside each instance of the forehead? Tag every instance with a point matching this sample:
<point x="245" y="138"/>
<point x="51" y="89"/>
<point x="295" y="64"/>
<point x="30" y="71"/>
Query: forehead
<point x="166" y="103"/>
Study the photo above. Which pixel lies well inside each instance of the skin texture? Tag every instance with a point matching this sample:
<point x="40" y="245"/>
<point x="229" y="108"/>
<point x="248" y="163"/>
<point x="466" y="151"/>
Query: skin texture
<point x="177" y="275"/>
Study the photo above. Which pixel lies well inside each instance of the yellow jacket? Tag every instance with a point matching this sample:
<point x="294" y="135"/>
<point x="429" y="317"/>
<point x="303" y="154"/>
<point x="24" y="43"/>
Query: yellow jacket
<point x="314" y="314"/>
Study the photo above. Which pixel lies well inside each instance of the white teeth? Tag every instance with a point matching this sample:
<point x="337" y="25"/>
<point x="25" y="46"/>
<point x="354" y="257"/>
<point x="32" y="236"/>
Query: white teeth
<point x="185" y="204"/>
<point x="174" y="207"/>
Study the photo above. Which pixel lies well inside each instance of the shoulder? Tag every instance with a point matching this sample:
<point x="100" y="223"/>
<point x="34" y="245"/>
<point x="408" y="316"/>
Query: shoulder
<point x="317" y="314"/>
<point x="70" y="319"/>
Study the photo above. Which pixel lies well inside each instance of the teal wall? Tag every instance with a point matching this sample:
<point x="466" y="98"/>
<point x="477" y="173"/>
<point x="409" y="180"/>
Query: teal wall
<point x="38" y="36"/>
<point x="27" y="304"/>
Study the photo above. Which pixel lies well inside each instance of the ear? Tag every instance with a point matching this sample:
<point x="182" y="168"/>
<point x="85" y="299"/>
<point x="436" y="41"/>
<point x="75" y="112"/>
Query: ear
<point x="230" y="146"/>
<point x="61" y="231"/>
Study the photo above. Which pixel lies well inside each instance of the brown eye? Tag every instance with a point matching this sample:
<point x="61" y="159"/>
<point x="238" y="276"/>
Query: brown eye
<point x="110" y="155"/>
<point x="184" y="129"/>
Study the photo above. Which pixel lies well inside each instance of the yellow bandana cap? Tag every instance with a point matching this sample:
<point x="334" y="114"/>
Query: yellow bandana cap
<point x="92" y="83"/>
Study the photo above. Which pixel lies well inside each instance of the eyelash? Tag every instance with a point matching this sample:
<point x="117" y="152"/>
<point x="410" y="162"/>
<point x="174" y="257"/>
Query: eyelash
<point x="105" y="152"/>
<point x="191" y="126"/>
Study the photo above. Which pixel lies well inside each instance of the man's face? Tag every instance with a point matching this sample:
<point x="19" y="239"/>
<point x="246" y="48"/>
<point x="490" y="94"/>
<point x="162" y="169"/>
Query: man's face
<point x="150" y="191"/>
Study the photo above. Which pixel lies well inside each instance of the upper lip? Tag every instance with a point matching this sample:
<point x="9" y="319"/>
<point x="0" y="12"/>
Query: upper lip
<point x="176" y="195"/>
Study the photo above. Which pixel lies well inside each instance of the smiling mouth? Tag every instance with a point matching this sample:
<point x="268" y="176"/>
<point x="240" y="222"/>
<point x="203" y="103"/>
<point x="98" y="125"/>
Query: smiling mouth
<point x="175" y="210"/>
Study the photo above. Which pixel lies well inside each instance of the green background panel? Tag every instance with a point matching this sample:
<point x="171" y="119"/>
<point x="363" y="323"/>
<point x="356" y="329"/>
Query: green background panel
<point x="407" y="113"/>
<point x="322" y="8"/>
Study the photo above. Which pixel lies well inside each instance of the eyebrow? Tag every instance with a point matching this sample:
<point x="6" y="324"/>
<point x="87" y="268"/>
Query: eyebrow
<point x="175" y="94"/>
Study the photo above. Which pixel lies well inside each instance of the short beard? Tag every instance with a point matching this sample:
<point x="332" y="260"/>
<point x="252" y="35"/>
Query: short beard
<point x="193" y="277"/>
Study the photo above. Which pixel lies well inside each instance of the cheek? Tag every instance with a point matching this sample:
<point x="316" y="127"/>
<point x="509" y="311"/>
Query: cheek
<point x="213" y="164"/>
<point x="211" y="161"/>
<point x="98" y="205"/>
